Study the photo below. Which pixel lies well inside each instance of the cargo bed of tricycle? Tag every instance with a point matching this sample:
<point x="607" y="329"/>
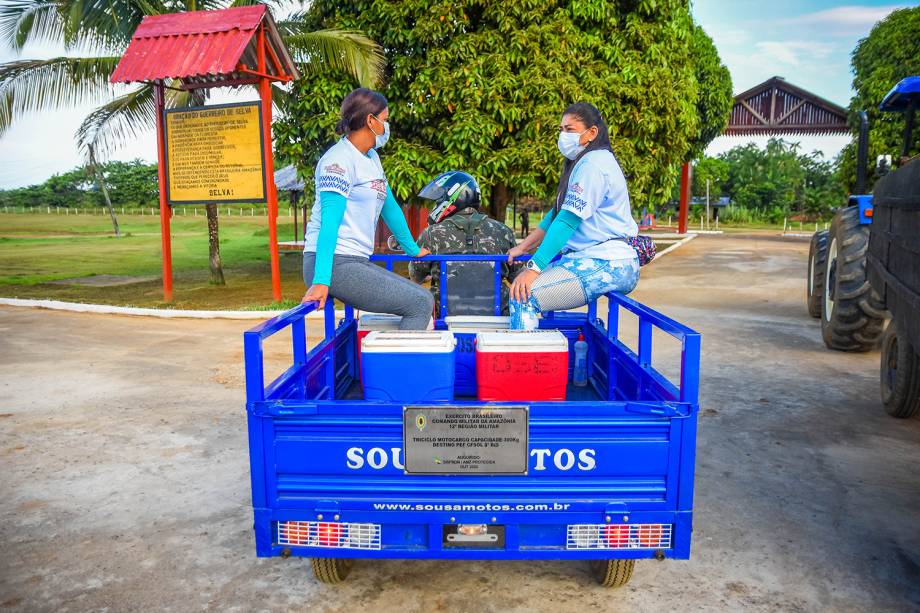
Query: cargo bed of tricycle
<point x="609" y="472"/>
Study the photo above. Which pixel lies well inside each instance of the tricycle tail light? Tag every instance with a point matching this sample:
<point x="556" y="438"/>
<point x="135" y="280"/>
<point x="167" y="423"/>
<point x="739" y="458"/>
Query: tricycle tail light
<point x="618" y="536"/>
<point x="329" y="535"/>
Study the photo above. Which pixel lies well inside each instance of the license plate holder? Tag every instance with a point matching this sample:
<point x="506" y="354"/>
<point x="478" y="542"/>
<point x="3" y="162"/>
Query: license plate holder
<point x="465" y="440"/>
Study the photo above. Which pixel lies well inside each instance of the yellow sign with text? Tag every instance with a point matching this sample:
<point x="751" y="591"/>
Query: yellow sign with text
<point x="214" y="154"/>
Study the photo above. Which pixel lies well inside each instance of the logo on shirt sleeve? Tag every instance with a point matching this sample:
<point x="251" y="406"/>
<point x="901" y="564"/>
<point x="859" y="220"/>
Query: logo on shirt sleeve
<point x="334" y="183"/>
<point x="573" y="198"/>
<point x="334" y="169"/>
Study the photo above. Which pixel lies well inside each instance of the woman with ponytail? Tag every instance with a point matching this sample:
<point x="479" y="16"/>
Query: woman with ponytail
<point x="351" y="193"/>
<point x="590" y="225"/>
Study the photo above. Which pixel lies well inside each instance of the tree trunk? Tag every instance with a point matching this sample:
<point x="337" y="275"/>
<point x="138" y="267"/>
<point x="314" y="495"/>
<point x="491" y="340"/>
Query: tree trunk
<point x="105" y="192"/>
<point x="498" y="202"/>
<point x="214" y="265"/>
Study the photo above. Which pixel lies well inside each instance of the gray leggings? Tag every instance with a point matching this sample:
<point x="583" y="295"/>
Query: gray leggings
<point x="368" y="287"/>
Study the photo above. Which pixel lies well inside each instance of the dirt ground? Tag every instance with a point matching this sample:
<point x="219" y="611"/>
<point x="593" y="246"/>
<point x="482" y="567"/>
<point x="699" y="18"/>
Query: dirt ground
<point x="125" y="486"/>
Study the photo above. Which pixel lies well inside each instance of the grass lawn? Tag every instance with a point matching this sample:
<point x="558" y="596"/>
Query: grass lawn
<point x="37" y="248"/>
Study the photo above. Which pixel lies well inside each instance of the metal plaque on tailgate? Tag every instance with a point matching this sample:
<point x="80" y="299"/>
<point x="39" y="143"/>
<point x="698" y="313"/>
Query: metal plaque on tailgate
<point x="465" y="440"/>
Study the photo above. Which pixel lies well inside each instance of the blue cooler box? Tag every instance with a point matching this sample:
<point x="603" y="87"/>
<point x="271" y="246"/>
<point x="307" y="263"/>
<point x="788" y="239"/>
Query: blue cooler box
<point x="465" y="328"/>
<point x="408" y="366"/>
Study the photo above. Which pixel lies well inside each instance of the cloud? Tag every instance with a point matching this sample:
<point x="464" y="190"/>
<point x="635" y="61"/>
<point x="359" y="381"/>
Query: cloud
<point x="846" y="19"/>
<point x="792" y="53"/>
<point x="732" y="37"/>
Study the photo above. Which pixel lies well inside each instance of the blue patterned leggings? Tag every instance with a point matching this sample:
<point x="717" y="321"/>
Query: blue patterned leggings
<point x="570" y="283"/>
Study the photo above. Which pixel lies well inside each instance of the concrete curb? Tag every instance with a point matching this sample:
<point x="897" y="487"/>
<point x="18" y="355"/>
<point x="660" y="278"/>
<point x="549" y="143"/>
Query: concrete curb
<point x="683" y="241"/>
<point x="105" y="309"/>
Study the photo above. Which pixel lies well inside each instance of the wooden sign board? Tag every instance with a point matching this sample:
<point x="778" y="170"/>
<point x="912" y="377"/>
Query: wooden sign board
<point x="215" y="154"/>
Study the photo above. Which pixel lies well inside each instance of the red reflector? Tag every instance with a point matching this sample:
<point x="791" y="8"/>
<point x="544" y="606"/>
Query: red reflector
<point x="616" y="535"/>
<point x="649" y="535"/>
<point x="868" y="212"/>
<point x="294" y="532"/>
<point x="329" y="534"/>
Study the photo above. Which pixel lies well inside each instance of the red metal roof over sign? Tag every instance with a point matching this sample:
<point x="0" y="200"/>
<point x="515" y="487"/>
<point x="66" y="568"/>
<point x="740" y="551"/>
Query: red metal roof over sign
<point x="199" y="46"/>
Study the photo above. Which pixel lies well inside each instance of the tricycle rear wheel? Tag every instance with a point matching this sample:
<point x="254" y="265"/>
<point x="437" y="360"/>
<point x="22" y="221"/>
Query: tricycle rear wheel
<point x="612" y="573"/>
<point x="331" y="570"/>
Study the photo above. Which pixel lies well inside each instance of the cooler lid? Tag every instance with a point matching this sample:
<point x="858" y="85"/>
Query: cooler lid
<point x="522" y="341"/>
<point x="405" y="341"/>
<point x="378" y="321"/>
<point x="475" y="323"/>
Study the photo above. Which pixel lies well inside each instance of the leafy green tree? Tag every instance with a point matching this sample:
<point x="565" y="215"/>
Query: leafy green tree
<point x="764" y="178"/>
<point x="774" y="182"/>
<point x="714" y="170"/>
<point x="66" y="189"/>
<point x="480" y="85"/>
<point x="890" y="53"/>
<point x="823" y="192"/>
<point x="131" y="183"/>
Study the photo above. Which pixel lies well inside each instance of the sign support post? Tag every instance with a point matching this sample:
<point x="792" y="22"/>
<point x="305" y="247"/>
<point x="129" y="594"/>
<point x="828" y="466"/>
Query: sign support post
<point x="165" y="211"/>
<point x="271" y="196"/>
<point x="685" y="184"/>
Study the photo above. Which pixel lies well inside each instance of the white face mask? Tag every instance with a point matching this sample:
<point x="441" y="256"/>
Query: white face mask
<point x="381" y="139"/>
<point x="569" y="144"/>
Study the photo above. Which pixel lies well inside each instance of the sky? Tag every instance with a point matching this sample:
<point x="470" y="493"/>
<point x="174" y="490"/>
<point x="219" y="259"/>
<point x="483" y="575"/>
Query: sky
<point x="808" y="42"/>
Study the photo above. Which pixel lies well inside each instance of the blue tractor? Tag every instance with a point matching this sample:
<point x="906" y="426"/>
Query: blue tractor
<point x="862" y="272"/>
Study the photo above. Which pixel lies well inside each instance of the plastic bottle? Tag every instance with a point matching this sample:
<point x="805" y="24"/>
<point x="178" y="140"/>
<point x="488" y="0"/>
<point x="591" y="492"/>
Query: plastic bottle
<point x="580" y="372"/>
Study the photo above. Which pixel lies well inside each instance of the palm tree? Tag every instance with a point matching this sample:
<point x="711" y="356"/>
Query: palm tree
<point x="95" y="33"/>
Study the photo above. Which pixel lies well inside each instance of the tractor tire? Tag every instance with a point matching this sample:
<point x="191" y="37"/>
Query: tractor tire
<point x="899" y="375"/>
<point x="852" y="315"/>
<point x="612" y="573"/>
<point x="331" y="570"/>
<point x="817" y="270"/>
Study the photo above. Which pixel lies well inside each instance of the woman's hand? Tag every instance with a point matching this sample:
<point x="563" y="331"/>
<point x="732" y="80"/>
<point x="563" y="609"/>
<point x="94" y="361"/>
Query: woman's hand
<point x="516" y="252"/>
<point x="520" y="289"/>
<point x="422" y="253"/>
<point x="319" y="293"/>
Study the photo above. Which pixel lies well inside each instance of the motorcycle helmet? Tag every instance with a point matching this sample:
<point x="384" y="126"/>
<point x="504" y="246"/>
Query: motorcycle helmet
<point x="450" y="192"/>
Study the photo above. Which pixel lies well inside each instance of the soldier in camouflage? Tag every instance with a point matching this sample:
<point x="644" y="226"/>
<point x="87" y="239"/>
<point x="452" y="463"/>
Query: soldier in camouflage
<point x="457" y="226"/>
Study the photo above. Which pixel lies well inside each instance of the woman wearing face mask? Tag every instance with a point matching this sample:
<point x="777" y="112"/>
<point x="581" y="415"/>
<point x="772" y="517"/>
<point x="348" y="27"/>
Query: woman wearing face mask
<point x="351" y="193"/>
<point x="589" y="225"/>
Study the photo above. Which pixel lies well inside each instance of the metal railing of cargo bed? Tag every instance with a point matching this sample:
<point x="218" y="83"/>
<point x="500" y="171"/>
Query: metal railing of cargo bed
<point x="256" y="391"/>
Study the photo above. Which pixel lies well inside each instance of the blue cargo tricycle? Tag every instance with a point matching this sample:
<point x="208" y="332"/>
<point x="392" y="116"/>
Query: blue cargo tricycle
<point x="604" y="476"/>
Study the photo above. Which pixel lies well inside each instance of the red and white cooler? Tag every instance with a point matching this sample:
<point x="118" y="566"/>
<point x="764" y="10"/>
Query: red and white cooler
<point x="522" y="366"/>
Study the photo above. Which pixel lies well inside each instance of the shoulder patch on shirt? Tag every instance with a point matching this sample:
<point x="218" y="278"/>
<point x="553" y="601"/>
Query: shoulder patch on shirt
<point x="577" y="188"/>
<point x="334" y="168"/>
<point x="574" y="202"/>
<point x="333" y="183"/>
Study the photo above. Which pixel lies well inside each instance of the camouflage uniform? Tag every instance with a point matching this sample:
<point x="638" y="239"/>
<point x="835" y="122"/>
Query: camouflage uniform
<point x="471" y="285"/>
